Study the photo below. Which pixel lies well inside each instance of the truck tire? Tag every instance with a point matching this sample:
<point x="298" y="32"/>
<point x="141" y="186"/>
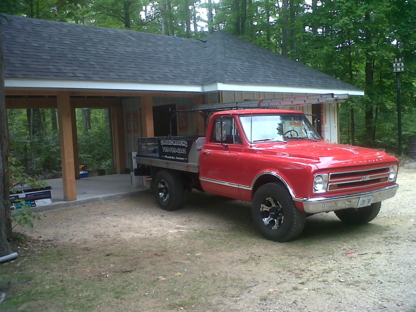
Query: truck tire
<point x="169" y="190"/>
<point x="275" y="214"/>
<point x="359" y="215"/>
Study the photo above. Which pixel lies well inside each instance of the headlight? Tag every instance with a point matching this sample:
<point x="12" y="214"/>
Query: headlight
<point x="320" y="183"/>
<point x="393" y="173"/>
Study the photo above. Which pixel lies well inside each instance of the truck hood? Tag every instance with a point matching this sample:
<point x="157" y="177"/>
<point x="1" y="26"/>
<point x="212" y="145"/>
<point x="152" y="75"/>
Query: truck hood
<point x="325" y="155"/>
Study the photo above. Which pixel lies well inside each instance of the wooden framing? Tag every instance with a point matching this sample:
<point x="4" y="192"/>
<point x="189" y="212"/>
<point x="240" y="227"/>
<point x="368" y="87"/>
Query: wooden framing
<point x="66" y="105"/>
<point x="65" y="116"/>
<point x="147" y="116"/>
<point x="117" y="137"/>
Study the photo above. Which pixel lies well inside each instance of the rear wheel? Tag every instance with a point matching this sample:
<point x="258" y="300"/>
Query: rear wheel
<point x="275" y="214"/>
<point x="359" y="215"/>
<point x="169" y="190"/>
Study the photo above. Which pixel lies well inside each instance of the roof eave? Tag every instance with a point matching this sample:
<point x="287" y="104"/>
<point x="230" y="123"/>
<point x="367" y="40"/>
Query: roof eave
<point x="14" y="83"/>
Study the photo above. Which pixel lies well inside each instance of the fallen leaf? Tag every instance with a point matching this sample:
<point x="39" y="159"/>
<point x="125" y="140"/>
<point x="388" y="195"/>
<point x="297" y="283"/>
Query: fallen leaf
<point x="350" y="252"/>
<point x="161" y="278"/>
<point x="178" y="274"/>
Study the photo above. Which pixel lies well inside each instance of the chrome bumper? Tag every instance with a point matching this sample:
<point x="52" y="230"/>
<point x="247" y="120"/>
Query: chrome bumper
<point x="324" y="204"/>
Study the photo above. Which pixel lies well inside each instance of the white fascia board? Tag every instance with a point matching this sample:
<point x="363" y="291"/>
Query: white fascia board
<point x="130" y="86"/>
<point x="277" y="89"/>
<point x="97" y="85"/>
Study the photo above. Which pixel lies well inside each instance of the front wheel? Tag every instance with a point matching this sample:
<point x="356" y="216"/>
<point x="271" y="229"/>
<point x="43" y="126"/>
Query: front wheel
<point x="275" y="214"/>
<point x="359" y="215"/>
<point x="169" y="190"/>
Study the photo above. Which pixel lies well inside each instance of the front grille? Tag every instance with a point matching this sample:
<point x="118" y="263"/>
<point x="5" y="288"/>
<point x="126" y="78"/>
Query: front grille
<point x="346" y="180"/>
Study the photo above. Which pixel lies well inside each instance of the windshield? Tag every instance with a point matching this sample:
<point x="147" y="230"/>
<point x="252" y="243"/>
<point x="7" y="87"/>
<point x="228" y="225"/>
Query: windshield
<point x="283" y="127"/>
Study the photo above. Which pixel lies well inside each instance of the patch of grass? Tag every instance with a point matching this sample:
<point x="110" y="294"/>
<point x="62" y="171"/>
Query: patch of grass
<point x="188" y="304"/>
<point x="264" y="298"/>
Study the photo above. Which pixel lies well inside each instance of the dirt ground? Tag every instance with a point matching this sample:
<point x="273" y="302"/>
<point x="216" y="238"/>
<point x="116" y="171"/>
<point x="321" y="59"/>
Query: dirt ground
<point x="209" y="257"/>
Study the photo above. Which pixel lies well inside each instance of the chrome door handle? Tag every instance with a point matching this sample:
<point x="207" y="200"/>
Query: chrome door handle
<point x="207" y="152"/>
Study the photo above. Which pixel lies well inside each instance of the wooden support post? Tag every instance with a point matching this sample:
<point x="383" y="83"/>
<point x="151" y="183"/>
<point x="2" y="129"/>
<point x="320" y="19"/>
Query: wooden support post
<point x="117" y="136"/>
<point x="67" y="153"/>
<point x="147" y="116"/>
<point x="200" y="122"/>
<point x="75" y="142"/>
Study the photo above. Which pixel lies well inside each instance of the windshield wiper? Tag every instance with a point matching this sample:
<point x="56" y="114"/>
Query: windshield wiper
<point x="263" y="140"/>
<point x="269" y="140"/>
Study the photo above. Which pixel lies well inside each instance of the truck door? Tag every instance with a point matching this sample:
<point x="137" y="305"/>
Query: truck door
<point x="219" y="159"/>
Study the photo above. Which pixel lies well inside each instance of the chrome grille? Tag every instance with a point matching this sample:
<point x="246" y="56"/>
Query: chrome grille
<point x="358" y="178"/>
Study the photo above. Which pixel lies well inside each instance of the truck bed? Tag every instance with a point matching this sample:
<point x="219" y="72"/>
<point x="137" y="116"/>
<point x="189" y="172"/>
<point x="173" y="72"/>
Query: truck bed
<point x="179" y="152"/>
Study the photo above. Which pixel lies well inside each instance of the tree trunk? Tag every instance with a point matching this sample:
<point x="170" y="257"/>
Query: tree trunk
<point x="292" y="28"/>
<point x="243" y="16"/>
<point x="5" y="222"/>
<point x="351" y="74"/>
<point x="187" y="15"/>
<point x="170" y="18"/>
<point x="86" y="119"/>
<point x="352" y="126"/>
<point x="268" y="26"/>
<point x="165" y="17"/>
<point x="250" y="18"/>
<point x="194" y="20"/>
<point x="210" y="18"/>
<point x="127" y="22"/>
<point x="285" y="27"/>
<point x="236" y="10"/>
<point x="314" y="11"/>
<point x="54" y="120"/>
<point x="369" y="83"/>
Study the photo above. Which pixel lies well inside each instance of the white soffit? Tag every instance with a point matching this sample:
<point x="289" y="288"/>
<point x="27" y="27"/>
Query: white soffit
<point x="130" y="86"/>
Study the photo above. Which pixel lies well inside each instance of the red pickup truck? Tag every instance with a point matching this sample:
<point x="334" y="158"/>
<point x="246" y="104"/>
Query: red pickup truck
<point x="277" y="161"/>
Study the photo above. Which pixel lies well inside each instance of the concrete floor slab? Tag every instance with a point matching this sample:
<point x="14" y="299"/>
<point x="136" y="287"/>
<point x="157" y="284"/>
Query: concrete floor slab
<point x="93" y="189"/>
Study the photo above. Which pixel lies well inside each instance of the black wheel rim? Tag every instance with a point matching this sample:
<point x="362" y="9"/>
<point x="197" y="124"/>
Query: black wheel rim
<point x="271" y="213"/>
<point x="163" y="191"/>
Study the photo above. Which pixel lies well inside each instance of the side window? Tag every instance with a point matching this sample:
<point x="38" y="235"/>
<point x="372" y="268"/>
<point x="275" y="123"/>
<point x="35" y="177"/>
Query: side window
<point x="229" y="134"/>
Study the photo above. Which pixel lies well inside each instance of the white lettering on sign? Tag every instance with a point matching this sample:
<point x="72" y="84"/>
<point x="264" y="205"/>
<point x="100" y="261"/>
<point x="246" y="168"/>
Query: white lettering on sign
<point x="174" y="143"/>
<point x="173" y="150"/>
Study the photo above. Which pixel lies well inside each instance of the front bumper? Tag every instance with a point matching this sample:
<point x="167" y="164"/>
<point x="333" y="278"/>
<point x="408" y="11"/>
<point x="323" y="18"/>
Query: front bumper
<point x="325" y="204"/>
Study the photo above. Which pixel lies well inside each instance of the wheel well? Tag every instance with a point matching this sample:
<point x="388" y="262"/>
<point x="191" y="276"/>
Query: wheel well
<point x="187" y="178"/>
<point x="264" y="179"/>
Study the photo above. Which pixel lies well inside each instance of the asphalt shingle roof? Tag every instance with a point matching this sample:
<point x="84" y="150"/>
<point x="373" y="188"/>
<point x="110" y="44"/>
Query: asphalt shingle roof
<point x="40" y="49"/>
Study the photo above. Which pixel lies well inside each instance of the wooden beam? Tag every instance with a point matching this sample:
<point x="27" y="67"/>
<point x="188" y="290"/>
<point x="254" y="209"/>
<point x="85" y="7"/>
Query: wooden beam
<point x="67" y="144"/>
<point x="27" y="103"/>
<point x="118" y="139"/>
<point x="95" y="102"/>
<point x="147" y="116"/>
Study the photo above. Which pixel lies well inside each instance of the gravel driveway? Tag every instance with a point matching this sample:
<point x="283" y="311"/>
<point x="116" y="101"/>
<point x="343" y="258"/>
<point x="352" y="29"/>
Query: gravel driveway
<point x="209" y="257"/>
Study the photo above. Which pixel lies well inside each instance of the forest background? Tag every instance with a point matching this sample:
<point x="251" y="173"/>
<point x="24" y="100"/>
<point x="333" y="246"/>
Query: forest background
<point x="355" y="41"/>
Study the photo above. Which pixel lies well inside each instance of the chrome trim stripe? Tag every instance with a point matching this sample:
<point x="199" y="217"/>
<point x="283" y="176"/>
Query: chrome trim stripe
<point x="221" y="182"/>
<point x="324" y="204"/>
<point x="250" y="188"/>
